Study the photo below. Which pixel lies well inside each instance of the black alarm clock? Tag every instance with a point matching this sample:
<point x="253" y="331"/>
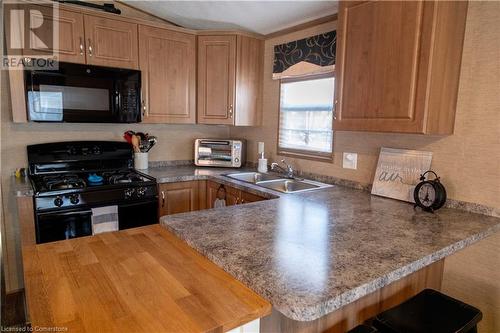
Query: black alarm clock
<point x="429" y="194"/>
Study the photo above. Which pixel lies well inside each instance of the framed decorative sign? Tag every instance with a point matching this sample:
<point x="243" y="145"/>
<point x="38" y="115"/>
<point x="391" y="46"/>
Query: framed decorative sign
<point x="398" y="172"/>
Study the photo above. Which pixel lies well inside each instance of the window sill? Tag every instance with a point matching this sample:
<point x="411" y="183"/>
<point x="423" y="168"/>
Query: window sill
<point x="326" y="158"/>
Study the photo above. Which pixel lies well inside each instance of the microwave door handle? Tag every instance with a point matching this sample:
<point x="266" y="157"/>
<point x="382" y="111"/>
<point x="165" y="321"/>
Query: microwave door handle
<point x="143" y="105"/>
<point x="119" y="101"/>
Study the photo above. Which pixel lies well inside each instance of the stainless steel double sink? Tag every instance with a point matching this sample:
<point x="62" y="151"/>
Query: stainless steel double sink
<point x="277" y="183"/>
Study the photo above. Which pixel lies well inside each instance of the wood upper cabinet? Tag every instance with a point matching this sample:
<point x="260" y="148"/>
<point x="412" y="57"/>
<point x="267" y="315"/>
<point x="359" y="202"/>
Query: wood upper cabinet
<point x="168" y="63"/>
<point x="111" y="42"/>
<point x="229" y="80"/>
<point x="216" y="79"/>
<point x="181" y="197"/>
<point x="70" y="47"/>
<point x="398" y="65"/>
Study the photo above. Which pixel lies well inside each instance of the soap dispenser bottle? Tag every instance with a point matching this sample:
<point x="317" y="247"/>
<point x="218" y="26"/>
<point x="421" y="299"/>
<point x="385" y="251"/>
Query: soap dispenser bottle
<point x="262" y="166"/>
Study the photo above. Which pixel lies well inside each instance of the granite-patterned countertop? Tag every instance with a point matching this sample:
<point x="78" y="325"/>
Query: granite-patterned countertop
<point x="21" y="187"/>
<point x="314" y="252"/>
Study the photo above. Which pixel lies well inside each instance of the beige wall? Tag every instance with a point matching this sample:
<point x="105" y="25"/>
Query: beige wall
<point x="468" y="161"/>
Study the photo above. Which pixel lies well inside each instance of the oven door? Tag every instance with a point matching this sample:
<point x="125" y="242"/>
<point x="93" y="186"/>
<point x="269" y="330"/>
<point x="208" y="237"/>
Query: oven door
<point x="54" y="226"/>
<point x="137" y="214"/>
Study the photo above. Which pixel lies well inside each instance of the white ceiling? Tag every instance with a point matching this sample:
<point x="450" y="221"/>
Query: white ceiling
<point x="261" y="17"/>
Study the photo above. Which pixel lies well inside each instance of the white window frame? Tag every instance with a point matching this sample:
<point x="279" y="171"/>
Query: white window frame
<point x="298" y="153"/>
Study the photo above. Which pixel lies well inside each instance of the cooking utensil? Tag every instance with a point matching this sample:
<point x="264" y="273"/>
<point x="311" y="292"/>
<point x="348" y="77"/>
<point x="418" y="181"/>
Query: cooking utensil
<point x="128" y="136"/>
<point x="151" y="142"/>
<point x="135" y="143"/>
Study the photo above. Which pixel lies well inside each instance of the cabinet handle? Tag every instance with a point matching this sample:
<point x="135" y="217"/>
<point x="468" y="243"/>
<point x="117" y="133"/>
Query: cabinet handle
<point x="81" y="46"/>
<point x="162" y="199"/>
<point x="231" y="111"/>
<point x="144" y="109"/>
<point x="90" y="48"/>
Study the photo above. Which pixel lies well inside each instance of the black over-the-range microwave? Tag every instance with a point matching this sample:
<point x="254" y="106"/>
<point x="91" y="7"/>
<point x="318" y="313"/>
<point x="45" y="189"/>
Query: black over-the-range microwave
<point x="83" y="94"/>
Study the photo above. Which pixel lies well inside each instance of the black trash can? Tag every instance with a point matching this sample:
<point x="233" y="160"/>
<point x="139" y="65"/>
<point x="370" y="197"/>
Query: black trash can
<point x="429" y="312"/>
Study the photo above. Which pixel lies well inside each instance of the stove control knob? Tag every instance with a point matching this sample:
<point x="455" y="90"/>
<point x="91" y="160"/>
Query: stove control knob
<point x="141" y="191"/>
<point x="58" y="201"/>
<point x="129" y="192"/>
<point x="74" y="199"/>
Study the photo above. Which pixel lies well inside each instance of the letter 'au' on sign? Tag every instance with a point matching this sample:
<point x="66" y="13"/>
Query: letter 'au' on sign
<point x="398" y="172"/>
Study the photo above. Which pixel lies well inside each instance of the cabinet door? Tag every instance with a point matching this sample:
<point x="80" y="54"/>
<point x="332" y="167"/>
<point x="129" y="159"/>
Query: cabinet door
<point x="247" y="197"/>
<point x="111" y="43"/>
<point x="379" y="64"/>
<point x="216" y="79"/>
<point x="178" y="197"/>
<point x="168" y="64"/>
<point x="232" y="196"/>
<point x="70" y="46"/>
<point x="212" y="188"/>
<point x="249" y="78"/>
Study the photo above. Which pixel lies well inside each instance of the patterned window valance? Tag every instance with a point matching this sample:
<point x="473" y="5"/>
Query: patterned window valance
<point x="310" y="55"/>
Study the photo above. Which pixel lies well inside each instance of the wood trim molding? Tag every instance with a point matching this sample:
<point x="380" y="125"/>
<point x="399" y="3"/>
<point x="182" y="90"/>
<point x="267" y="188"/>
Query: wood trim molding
<point x="209" y="32"/>
<point x="302" y="26"/>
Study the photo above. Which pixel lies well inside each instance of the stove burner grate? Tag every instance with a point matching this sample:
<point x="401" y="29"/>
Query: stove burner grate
<point x="124" y="178"/>
<point x="63" y="182"/>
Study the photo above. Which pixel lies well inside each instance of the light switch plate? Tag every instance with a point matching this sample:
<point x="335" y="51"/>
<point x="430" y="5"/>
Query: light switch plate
<point x="350" y="161"/>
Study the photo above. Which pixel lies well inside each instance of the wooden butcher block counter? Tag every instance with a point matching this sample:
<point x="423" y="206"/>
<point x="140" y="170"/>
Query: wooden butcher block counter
<point x="137" y="280"/>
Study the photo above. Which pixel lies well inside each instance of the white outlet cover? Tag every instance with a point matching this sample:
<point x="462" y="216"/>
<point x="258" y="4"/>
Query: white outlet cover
<point x="350" y="161"/>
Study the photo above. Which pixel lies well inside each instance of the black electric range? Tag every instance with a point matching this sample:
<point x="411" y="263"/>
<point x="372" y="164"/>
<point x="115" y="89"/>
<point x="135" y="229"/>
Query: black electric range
<point x="70" y="179"/>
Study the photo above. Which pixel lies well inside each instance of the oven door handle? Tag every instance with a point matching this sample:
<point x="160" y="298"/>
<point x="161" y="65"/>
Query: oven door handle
<point x="79" y="212"/>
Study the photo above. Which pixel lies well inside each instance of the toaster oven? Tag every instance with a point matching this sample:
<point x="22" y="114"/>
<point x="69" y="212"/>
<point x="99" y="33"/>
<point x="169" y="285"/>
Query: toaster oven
<point x="219" y="153"/>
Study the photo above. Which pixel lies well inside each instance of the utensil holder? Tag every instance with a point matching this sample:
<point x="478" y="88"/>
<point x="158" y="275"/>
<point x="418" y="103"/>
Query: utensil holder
<point x="141" y="161"/>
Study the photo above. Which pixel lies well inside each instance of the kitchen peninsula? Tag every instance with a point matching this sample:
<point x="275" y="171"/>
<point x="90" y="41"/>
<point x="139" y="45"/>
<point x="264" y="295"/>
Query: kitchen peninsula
<point x="318" y="258"/>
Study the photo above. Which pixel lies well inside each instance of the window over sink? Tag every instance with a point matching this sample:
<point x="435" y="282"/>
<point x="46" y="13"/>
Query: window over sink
<point x="306" y="117"/>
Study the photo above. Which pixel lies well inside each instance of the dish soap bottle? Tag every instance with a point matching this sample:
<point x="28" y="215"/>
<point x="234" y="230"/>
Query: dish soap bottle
<point x="262" y="167"/>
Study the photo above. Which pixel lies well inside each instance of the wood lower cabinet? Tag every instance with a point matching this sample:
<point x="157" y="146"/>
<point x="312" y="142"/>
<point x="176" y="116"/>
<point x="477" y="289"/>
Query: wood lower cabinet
<point x="168" y="66"/>
<point x="398" y="65"/>
<point x="181" y="197"/>
<point x="229" y="80"/>
<point x="233" y="196"/>
<point x="247" y="197"/>
<point x="111" y="42"/>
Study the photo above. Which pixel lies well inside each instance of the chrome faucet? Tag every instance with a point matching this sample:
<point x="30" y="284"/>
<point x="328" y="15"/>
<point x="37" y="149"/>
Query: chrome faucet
<point x="287" y="171"/>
